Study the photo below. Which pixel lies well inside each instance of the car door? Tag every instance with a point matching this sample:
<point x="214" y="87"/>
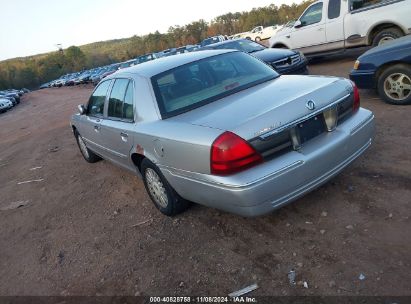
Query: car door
<point x="310" y="31"/>
<point x="335" y="25"/>
<point x="119" y="122"/>
<point x="90" y="125"/>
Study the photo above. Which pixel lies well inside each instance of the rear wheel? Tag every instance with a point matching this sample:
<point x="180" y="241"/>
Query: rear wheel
<point x="394" y="84"/>
<point x="386" y="35"/>
<point x="164" y="197"/>
<point x="88" y="155"/>
<point x="257" y="39"/>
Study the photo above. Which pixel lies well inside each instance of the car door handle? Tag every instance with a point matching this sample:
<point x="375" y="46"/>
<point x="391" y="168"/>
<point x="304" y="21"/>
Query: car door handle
<point x="124" y="136"/>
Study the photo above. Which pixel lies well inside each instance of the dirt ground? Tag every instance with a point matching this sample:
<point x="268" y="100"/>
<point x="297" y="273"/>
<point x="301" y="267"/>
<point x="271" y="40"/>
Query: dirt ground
<point x="90" y="229"/>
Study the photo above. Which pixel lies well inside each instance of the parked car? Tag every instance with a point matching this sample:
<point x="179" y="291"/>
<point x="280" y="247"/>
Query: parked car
<point x="222" y="129"/>
<point x="4" y="105"/>
<point x="283" y="61"/>
<point x="10" y="95"/>
<point x="260" y="33"/>
<point x="211" y="40"/>
<point x="386" y="68"/>
<point x="334" y="25"/>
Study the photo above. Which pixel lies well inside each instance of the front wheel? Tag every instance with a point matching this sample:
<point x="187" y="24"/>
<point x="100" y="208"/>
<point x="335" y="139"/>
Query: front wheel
<point x="164" y="197"/>
<point x="394" y="84"/>
<point x="257" y="39"/>
<point x="88" y="155"/>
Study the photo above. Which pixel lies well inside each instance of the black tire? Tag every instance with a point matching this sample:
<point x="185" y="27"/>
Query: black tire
<point x="175" y="204"/>
<point x="248" y="38"/>
<point x="387" y="34"/>
<point x="396" y="78"/>
<point x="89" y="156"/>
<point x="257" y="39"/>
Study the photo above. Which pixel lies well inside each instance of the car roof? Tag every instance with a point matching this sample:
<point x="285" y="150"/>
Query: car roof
<point x="154" y="67"/>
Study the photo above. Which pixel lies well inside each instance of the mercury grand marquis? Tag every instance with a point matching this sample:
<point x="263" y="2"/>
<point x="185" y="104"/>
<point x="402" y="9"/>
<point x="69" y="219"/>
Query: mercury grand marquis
<point x="223" y="129"/>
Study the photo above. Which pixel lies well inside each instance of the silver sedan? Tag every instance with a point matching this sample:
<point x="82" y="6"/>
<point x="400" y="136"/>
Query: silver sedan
<point x="222" y="129"/>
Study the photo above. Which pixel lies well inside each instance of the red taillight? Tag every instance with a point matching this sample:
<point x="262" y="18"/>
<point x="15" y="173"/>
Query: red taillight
<point x="356" y="103"/>
<point x="230" y="153"/>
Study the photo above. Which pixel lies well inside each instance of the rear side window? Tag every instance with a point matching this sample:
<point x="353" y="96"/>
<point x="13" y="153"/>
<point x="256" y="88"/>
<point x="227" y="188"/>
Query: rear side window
<point x="128" y="112"/>
<point x="334" y="7"/>
<point x="120" y="104"/>
<point x="96" y="102"/>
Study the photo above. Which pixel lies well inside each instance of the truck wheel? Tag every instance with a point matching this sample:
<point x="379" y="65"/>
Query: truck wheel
<point x="164" y="197"/>
<point x="386" y="35"/>
<point x="257" y="39"/>
<point x="394" y="84"/>
<point x="248" y="38"/>
<point x="88" y="155"/>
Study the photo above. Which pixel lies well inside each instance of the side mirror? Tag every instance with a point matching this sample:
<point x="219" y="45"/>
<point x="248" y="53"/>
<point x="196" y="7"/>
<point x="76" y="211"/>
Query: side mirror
<point x="298" y="24"/>
<point x="81" y="109"/>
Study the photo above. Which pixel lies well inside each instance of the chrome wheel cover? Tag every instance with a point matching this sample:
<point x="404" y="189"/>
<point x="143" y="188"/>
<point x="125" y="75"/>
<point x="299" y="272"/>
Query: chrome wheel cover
<point x="385" y="40"/>
<point x="156" y="188"/>
<point x="83" y="147"/>
<point x="397" y="86"/>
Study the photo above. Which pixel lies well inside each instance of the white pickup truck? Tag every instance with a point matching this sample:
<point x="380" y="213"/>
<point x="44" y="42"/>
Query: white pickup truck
<point x="259" y="33"/>
<point x="333" y="25"/>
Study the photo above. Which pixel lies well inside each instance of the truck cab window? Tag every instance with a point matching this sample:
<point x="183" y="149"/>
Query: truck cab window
<point x="334" y="8"/>
<point x="358" y="4"/>
<point x="313" y="14"/>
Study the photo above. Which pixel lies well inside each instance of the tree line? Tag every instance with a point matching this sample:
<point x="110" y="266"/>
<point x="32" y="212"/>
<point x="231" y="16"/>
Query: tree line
<point x="31" y="71"/>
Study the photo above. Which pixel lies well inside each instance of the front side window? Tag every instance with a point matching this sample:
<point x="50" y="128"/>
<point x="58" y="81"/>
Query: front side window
<point x="96" y="102"/>
<point x="115" y="103"/>
<point x="197" y="83"/>
<point x="358" y="4"/>
<point x="313" y="14"/>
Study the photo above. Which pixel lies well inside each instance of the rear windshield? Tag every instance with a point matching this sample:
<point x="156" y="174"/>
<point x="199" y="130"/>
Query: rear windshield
<point x="198" y="83"/>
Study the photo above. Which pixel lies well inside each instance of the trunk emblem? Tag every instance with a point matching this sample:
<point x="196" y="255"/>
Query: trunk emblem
<point x="310" y="105"/>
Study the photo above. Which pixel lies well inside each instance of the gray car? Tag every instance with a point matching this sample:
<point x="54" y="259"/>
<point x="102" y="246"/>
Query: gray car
<point x="222" y="129"/>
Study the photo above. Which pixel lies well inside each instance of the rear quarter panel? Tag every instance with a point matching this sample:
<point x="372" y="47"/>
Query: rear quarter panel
<point x="363" y="21"/>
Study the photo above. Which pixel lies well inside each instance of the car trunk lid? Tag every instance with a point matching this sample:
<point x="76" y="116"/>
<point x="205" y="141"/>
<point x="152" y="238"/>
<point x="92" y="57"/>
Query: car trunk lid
<point x="268" y="106"/>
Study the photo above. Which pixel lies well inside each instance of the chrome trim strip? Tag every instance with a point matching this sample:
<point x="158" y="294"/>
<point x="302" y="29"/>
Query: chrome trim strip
<point x="302" y="119"/>
<point x="105" y="149"/>
<point x="173" y="171"/>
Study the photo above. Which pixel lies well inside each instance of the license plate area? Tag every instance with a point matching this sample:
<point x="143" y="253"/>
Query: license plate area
<point x="306" y="130"/>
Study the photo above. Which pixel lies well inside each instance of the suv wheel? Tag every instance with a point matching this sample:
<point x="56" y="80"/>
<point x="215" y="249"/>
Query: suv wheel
<point x="257" y="39"/>
<point x="88" y="155"/>
<point x="394" y="84"/>
<point x="386" y="35"/>
<point x="164" y="197"/>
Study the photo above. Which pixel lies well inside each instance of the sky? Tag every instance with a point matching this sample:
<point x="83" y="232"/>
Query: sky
<point x="29" y="27"/>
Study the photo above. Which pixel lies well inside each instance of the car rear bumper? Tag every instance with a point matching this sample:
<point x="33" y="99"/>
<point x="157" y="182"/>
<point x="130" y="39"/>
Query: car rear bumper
<point x="268" y="186"/>
<point x="363" y="79"/>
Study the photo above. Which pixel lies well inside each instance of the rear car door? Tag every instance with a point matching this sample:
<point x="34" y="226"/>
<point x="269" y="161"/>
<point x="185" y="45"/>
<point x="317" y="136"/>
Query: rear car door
<point x="335" y="24"/>
<point x="311" y="32"/>
<point x="119" y="122"/>
<point x="90" y="126"/>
